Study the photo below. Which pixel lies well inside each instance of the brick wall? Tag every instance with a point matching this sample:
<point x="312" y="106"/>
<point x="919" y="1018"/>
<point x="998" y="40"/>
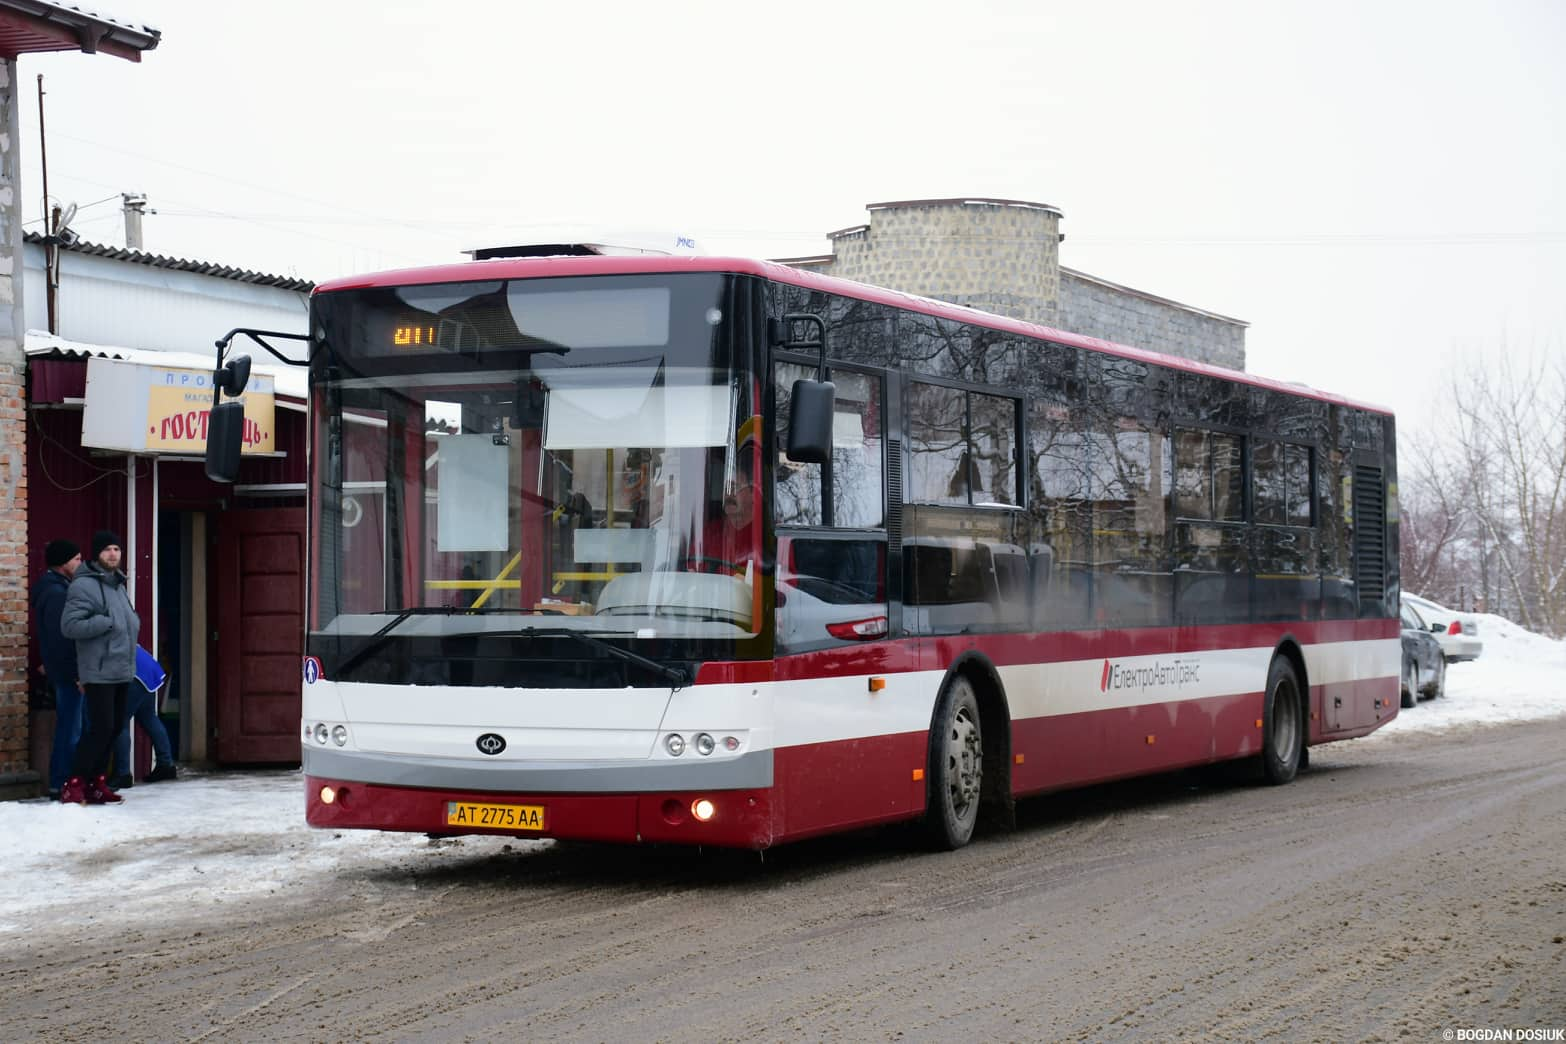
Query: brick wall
<point x="997" y="256"/>
<point x="14" y="739"/>
<point x="1003" y="256"/>
<point x="1097" y="308"/>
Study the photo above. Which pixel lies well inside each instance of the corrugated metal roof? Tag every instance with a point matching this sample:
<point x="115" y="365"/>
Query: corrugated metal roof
<point x="179" y="264"/>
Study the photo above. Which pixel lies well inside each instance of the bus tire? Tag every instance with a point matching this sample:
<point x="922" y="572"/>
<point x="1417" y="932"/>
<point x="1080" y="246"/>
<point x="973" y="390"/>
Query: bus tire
<point x="956" y="767"/>
<point x="1283" y="724"/>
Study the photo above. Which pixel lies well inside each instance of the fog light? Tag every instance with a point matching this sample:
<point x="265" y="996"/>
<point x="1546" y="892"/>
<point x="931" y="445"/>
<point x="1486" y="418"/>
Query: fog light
<point x="703" y="809"/>
<point x="705" y="744"/>
<point x="320" y="732"/>
<point x="328" y="795"/>
<point x="340" y="734"/>
<point x="675" y="744"/>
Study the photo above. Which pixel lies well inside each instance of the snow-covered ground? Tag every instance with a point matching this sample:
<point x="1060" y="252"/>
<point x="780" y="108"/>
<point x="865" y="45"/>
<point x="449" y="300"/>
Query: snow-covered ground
<point x="1520" y="676"/>
<point x="216" y="838"/>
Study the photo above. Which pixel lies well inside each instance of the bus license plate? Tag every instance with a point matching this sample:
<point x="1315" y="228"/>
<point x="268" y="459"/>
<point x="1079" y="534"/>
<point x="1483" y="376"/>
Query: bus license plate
<point x="497" y="817"/>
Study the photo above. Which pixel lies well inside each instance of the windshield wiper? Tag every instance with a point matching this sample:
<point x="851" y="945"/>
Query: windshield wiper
<point x="379" y="638"/>
<point x="676" y="677"/>
<point x="382" y="636"/>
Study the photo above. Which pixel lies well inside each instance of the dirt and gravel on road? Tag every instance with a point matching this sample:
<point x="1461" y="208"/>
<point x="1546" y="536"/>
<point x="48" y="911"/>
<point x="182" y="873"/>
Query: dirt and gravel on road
<point x="1404" y="886"/>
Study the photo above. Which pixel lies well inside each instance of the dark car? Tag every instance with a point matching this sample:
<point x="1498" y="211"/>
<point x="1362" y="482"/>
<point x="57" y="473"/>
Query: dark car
<point x="1424" y="663"/>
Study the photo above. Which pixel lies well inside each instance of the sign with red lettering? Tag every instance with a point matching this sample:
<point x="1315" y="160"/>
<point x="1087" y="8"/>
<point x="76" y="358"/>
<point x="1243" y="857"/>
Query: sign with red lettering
<point x="177" y="414"/>
<point x="137" y="408"/>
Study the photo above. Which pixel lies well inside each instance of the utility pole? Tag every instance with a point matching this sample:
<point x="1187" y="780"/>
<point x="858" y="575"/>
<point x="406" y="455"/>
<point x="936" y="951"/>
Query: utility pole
<point x="51" y="250"/>
<point x="135" y="206"/>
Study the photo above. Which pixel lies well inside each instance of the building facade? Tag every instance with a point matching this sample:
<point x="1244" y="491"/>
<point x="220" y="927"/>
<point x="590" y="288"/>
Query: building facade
<point x="28" y="27"/>
<point x="1003" y="256"/>
<point x="113" y="408"/>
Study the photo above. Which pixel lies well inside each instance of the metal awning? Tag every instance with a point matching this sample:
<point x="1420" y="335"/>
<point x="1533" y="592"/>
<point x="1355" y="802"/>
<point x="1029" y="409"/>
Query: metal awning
<point x="291" y="382"/>
<point x="30" y="26"/>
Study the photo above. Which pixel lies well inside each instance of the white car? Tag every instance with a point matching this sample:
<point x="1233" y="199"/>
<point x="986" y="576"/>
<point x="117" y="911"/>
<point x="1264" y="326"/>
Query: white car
<point x="1457" y="632"/>
<point x="814" y="612"/>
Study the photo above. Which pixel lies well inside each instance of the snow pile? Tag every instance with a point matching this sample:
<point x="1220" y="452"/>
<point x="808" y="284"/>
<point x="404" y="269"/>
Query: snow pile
<point x="176" y="849"/>
<point x="1520" y="676"/>
<point x="170" y="847"/>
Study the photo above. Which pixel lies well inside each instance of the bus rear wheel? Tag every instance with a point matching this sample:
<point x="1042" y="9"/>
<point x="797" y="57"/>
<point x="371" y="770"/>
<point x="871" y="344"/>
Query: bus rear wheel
<point x="1283" y="724"/>
<point x="956" y="767"/>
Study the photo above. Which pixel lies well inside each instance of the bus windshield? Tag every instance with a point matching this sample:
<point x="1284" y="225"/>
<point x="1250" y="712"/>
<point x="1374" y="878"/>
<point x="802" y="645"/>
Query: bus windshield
<point x="554" y="457"/>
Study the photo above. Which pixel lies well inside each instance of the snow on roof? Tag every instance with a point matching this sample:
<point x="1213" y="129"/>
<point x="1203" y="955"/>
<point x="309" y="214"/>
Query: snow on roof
<point x="292" y="382"/>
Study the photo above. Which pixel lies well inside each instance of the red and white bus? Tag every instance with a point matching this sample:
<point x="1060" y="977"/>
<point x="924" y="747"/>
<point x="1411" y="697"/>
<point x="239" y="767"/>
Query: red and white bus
<point x="716" y="551"/>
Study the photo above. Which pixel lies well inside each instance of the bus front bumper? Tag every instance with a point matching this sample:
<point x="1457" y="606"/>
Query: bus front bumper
<point x="724" y="818"/>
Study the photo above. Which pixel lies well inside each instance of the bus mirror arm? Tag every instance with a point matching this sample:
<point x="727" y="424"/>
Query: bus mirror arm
<point x="257" y="335"/>
<point x="810" y="402"/>
<point x="226" y="421"/>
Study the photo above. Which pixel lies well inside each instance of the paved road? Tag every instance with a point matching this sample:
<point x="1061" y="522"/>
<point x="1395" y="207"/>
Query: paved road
<point x="1403" y="886"/>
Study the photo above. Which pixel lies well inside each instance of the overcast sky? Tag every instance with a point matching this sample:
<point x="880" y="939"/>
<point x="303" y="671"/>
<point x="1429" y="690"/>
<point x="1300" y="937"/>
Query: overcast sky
<point x="1375" y="187"/>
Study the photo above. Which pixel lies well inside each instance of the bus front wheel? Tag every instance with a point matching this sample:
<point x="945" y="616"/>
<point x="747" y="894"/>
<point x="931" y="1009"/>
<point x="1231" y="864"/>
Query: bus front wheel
<point x="956" y="766"/>
<point x="1283" y="724"/>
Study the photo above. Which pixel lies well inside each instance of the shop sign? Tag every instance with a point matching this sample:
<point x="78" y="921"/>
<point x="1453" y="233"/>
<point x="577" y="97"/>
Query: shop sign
<point x="136" y="408"/>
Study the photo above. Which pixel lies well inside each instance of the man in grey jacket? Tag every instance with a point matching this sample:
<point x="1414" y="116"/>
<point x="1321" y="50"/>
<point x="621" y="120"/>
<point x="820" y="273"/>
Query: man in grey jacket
<point x="99" y="617"/>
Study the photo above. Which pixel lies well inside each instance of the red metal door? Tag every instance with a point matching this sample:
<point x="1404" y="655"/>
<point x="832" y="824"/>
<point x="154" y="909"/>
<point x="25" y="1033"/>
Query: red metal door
<point x="259" y="566"/>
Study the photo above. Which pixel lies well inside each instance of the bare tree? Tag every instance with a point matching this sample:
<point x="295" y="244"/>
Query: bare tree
<point x="1436" y="520"/>
<point x="1510" y="418"/>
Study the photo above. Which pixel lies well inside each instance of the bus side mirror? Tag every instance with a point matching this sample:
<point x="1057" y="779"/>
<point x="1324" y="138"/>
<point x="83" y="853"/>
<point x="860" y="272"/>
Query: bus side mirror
<point x="233" y="377"/>
<point x="527" y="411"/>
<point x="810" y="421"/>
<point x="225" y="431"/>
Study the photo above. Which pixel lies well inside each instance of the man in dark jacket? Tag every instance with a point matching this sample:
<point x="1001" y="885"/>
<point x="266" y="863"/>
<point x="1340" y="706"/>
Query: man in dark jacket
<point x="100" y="618"/>
<point x="59" y="656"/>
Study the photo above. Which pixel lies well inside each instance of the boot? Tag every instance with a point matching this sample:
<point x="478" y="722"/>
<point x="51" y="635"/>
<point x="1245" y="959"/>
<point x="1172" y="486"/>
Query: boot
<point x="74" y="792"/>
<point x="98" y="793"/>
<point x="162" y="771"/>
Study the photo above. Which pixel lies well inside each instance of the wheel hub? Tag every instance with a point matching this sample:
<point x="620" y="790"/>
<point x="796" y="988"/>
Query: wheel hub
<point x="965" y="758"/>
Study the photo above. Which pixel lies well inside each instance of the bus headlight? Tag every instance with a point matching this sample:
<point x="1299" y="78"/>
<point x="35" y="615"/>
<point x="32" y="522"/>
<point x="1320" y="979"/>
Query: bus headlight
<point x="340" y="735"/>
<point x="320" y="732"/>
<point x="705" y="744"/>
<point x="675" y="744"/>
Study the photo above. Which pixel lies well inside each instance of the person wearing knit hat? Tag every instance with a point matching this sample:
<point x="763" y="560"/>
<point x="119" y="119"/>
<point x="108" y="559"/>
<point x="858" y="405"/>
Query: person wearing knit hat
<point x="100" y="618"/>
<point x="58" y="653"/>
<point x="102" y="539"/>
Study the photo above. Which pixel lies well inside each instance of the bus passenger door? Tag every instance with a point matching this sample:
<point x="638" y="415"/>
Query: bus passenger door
<point x="849" y="721"/>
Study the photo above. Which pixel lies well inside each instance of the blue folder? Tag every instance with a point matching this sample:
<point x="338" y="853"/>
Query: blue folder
<point x="148" y="671"/>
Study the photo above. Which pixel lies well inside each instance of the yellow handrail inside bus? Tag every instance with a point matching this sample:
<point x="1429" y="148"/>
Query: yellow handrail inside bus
<point x="489" y="587"/>
<point x="561" y="578"/>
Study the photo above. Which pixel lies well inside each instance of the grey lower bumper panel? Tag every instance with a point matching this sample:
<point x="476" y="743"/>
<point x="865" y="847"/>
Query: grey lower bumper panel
<point x="748" y="771"/>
